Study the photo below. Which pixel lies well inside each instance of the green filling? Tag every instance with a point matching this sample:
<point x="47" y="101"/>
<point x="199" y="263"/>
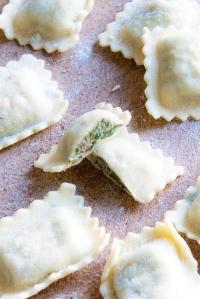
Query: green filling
<point x="104" y="129"/>
<point x="100" y="164"/>
<point x="193" y="196"/>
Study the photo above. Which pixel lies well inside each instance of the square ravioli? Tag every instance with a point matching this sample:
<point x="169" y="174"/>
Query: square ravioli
<point x="172" y="73"/>
<point x="134" y="165"/>
<point x="152" y="265"/>
<point x="42" y="244"/>
<point x="29" y="100"/>
<point x="48" y="24"/>
<point x="87" y="131"/>
<point x="186" y="214"/>
<point x="125" y="33"/>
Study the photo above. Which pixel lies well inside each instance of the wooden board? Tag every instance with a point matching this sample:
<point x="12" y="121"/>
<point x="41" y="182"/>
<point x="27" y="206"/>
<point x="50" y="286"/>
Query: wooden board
<point x="87" y="74"/>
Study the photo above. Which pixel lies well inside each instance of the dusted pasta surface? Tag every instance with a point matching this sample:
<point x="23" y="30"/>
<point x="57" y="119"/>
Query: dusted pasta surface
<point x="154" y="264"/>
<point x="29" y="100"/>
<point x="53" y="25"/>
<point x="87" y="74"/>
<point x="172" y="73"/>
<point x="50" y="239"/>
<point x="124" y="34"/>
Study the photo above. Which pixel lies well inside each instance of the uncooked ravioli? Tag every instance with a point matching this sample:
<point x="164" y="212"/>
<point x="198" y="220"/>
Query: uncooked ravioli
<point x="125" y="33"/>
<point x="54" y="237"/>
<point x="172" y="62"/>
<point x="79" y="141"/>
<point x="49" y="24"/>
<point x="186" y="214"/>
<point x="134" y="165"/>
<point x="152" y="265"/>
<point x="30" y="100"/>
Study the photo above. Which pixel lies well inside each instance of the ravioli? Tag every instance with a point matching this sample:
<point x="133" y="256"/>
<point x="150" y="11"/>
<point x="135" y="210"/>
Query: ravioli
<point x="152" y="265"/>
<point x="186" y="214"/>
<point x="125" y="33"/>
<point x="172" y="73"/>
<point x="134" y="165"/>
<point x="88" y="131"/>
<point x="29" y="100"/>
<point x="49" y="24"/>
<point x="42" y="244"/>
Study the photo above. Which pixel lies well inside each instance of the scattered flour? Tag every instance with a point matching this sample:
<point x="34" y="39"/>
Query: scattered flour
<point x="116" y="88"/>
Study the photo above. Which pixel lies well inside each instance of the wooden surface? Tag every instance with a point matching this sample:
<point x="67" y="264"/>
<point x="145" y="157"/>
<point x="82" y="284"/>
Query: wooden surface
<point x="87" y="74"/>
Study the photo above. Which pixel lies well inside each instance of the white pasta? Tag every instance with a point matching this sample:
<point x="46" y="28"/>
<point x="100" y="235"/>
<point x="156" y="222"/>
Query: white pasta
<point x="172" y="73"/>
<point x="42" y="244"/>
<point x="87" y="131"/>
<point x="135" y="165"/>
<point x="49" y="24"/>
<point x="29" y="100"/>
<point x="125" y="33"/>
<point x="186" y="214"/>
<point x="152" y="265"/>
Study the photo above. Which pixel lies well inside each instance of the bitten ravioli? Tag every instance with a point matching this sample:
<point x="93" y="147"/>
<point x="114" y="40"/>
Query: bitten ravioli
<point x="125" y="33"/>
<point x="87" y="131"/>
<point x="186" y="214"/>
<point x="42" y="244"/>
<point x="172" y="73"/>
<point x="49" y="24"/>
<point x="29" y="100"/>
<point x="152" y="265"/>
<point x="134" y="165"/>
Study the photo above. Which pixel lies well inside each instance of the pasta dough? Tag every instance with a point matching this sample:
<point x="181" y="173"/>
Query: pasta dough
<point x="87" y="131"/>
<point x="172" y="73"/>
<point x="51" y="239"/>
<point x="186" y="215"/>
<point x="154" y="264"/>
<point x="49" y="24"/>
<point x="125" y="33"/>
<point x="29" y="100"/>
<point x="134" y="165"/>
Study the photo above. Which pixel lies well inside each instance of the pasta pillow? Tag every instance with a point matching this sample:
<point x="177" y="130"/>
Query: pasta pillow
<point x="154" y="264"/>
<point x="172" y="73"/>
<point x="29" y="100"/>
<point x="134" y="165"/>
<point x="87" y="131"/>
<point x="125" y="33"/>
<point x="42" y="244"/>
<point x="49" y="24"/>
<point x="186" y="214"/>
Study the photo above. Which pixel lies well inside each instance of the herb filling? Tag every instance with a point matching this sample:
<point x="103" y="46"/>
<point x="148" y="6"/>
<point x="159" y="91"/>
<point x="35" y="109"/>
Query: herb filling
<point x="104" y="129"/>
<point x="100" y="164"/>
